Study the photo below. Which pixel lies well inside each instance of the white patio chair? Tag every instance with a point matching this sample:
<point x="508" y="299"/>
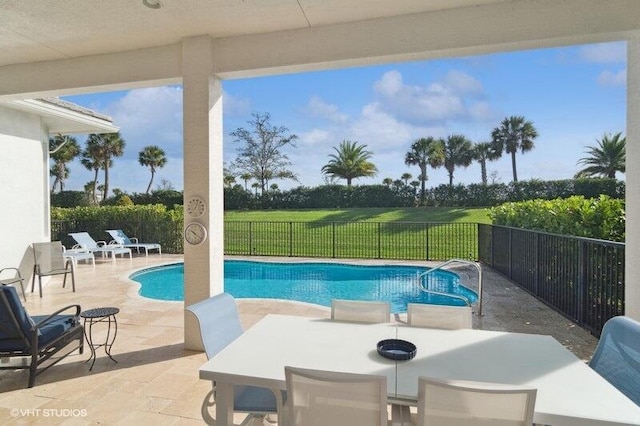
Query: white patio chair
<point x="48" y="261"/>
<point x="464" y="403"/>
<point x="360" y="311"/>
<point x="78" y="254"/>
<point x="219" y="323"/>
<point x="86" y="242"/>
<point x="439" y="316"/>
<point x="617" y="356"/>
<point x="321" y="398"/>
<point x="120" y="238"/>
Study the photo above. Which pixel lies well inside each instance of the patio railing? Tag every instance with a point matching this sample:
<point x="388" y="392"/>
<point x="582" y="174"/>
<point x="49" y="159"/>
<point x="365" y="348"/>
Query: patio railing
<point x="580" y="277"/>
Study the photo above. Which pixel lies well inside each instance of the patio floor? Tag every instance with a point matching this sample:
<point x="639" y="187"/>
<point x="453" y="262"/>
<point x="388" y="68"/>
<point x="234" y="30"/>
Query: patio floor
<point x="156" y="380"/>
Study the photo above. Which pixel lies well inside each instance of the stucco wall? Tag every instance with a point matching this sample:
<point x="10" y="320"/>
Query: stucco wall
<point x="23" y="188"/>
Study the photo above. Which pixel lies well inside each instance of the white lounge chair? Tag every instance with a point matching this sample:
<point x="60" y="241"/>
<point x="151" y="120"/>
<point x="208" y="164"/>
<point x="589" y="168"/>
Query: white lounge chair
<point x="86" y="242"/>
<point x="121" y="238"/>
<point x="77" y="254"/>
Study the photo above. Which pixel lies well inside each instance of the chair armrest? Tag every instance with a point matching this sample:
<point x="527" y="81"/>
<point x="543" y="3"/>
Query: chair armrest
<point x="101" y="243"/>
<point x="47" y="319"/>
<point x="14" y="279"/>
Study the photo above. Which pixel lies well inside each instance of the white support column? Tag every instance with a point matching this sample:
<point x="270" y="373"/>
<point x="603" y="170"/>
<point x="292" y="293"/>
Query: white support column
<point x="202" y="109"/>
<point x="632" y="244"/>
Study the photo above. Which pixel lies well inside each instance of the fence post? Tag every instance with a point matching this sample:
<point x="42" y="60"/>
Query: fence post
<point x="581" y="285"/>
<point x="536" y="272"/>
<point x="426" y="243"/>
<point x="509" y="257"/>
<point x="333" y="239"/>
<point x="251" y="251"/>
<point x="290" y="239"/>
<point x="379" y="227"/>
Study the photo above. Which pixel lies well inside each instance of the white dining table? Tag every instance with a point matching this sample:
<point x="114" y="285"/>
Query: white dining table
<point x="570" y="393"/>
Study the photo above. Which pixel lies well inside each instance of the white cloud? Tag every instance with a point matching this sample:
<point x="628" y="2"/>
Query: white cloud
<point x="604" y="52"/>
<point x="150" y="116"/>
<point x="455" y="97"/>
<point x="317" y="108"/>
<point x="610" y="78"/>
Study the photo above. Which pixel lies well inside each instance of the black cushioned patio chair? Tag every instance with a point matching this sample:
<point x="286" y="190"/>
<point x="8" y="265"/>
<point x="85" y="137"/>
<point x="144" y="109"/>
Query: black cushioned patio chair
<point x="44" y="339"/>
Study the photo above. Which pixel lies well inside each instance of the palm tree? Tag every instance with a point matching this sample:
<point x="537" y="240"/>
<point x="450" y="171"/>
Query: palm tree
<point x="514" y="133"/>
<point x="246" y="177"/>
<point x="152" y="156"/>
<point x="406" y="177"/>
<point x="351" y="161"/>
<point x="425" y="152"/>
<point x="387" y="182"/>
<point x="458" y="151"/>
<point x="63" y="149"/>
<point x="605" y="159"/>
<point x="483" y="152"/>
<point x="92" y="160"/>
<point x="106" y="146"/>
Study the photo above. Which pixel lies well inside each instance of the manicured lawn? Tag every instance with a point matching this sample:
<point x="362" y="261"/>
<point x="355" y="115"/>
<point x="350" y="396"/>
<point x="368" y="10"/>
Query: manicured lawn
<point x="422" y="214"/>
<point x="411" y="233"/>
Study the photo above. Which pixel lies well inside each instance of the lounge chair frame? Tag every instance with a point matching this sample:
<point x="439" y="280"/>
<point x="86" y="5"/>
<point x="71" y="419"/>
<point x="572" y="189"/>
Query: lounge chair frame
<point x="38" y="355"/>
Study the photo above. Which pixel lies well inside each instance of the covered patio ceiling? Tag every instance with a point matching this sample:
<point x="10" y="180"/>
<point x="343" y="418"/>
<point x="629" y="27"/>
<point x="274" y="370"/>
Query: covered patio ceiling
<point x="256" y="37"/>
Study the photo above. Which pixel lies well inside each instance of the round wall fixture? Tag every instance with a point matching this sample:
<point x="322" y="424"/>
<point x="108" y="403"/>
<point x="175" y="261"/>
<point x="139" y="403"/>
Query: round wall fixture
<point x="195" y="233"/>
<point x="196" y="206"/>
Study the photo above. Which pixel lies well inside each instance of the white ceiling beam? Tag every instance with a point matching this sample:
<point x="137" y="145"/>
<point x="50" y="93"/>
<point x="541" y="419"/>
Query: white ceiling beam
<point x="112" y="71"/>
<point x="454" y="32"/>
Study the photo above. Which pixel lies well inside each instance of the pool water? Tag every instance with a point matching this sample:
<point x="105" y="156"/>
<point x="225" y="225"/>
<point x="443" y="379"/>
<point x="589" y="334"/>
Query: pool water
<point x="317" y="283"/>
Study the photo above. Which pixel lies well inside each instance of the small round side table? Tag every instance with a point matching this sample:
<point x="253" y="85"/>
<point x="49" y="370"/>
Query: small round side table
<point x="94" y="316"/>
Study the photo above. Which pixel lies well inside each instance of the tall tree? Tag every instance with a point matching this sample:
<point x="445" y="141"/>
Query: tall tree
<point x="514" y="133"/>
<point x="387" y="182"/>
<point x="406" y="177"/>
<point x="483" y="152"/>
<point x="458" y="151"/>
<point x="351" y="161"/>
<point x="105" y="147"/>
<point x="261" y="153"/>
<point x="92" y="160"/>
<point x="246" y="177"/>
<point x="63" y="150"/>
<point x="152" y="156"/>
<point x="606" y="158"/>
<point x="425" y="152"/>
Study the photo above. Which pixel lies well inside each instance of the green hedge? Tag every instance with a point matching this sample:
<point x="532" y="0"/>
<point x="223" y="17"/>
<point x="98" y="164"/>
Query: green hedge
<point x="601" y="218"/>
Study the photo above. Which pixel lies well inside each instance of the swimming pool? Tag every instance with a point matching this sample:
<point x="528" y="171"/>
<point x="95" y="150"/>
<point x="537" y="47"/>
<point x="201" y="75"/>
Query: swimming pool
<point x="313" y="283"/>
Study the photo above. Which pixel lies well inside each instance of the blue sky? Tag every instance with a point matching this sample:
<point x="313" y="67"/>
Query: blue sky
<point x="573" y="95"/>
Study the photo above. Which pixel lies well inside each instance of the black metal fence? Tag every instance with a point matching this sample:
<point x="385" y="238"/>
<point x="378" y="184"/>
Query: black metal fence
<point x="369" y="240"/>
<point x="580" y="277"/>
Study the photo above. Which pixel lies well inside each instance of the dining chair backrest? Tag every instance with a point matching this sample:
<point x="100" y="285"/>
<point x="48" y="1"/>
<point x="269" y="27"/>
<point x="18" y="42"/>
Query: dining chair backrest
<point x="617" y="356"/>
<point x="49" y="256"/>
<point x="219" y="322"/>
<point x="464" y="403"/>
<point x="439" y="316"/>
<point x="360" y="311"/>
<point x="320" y="398"/>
